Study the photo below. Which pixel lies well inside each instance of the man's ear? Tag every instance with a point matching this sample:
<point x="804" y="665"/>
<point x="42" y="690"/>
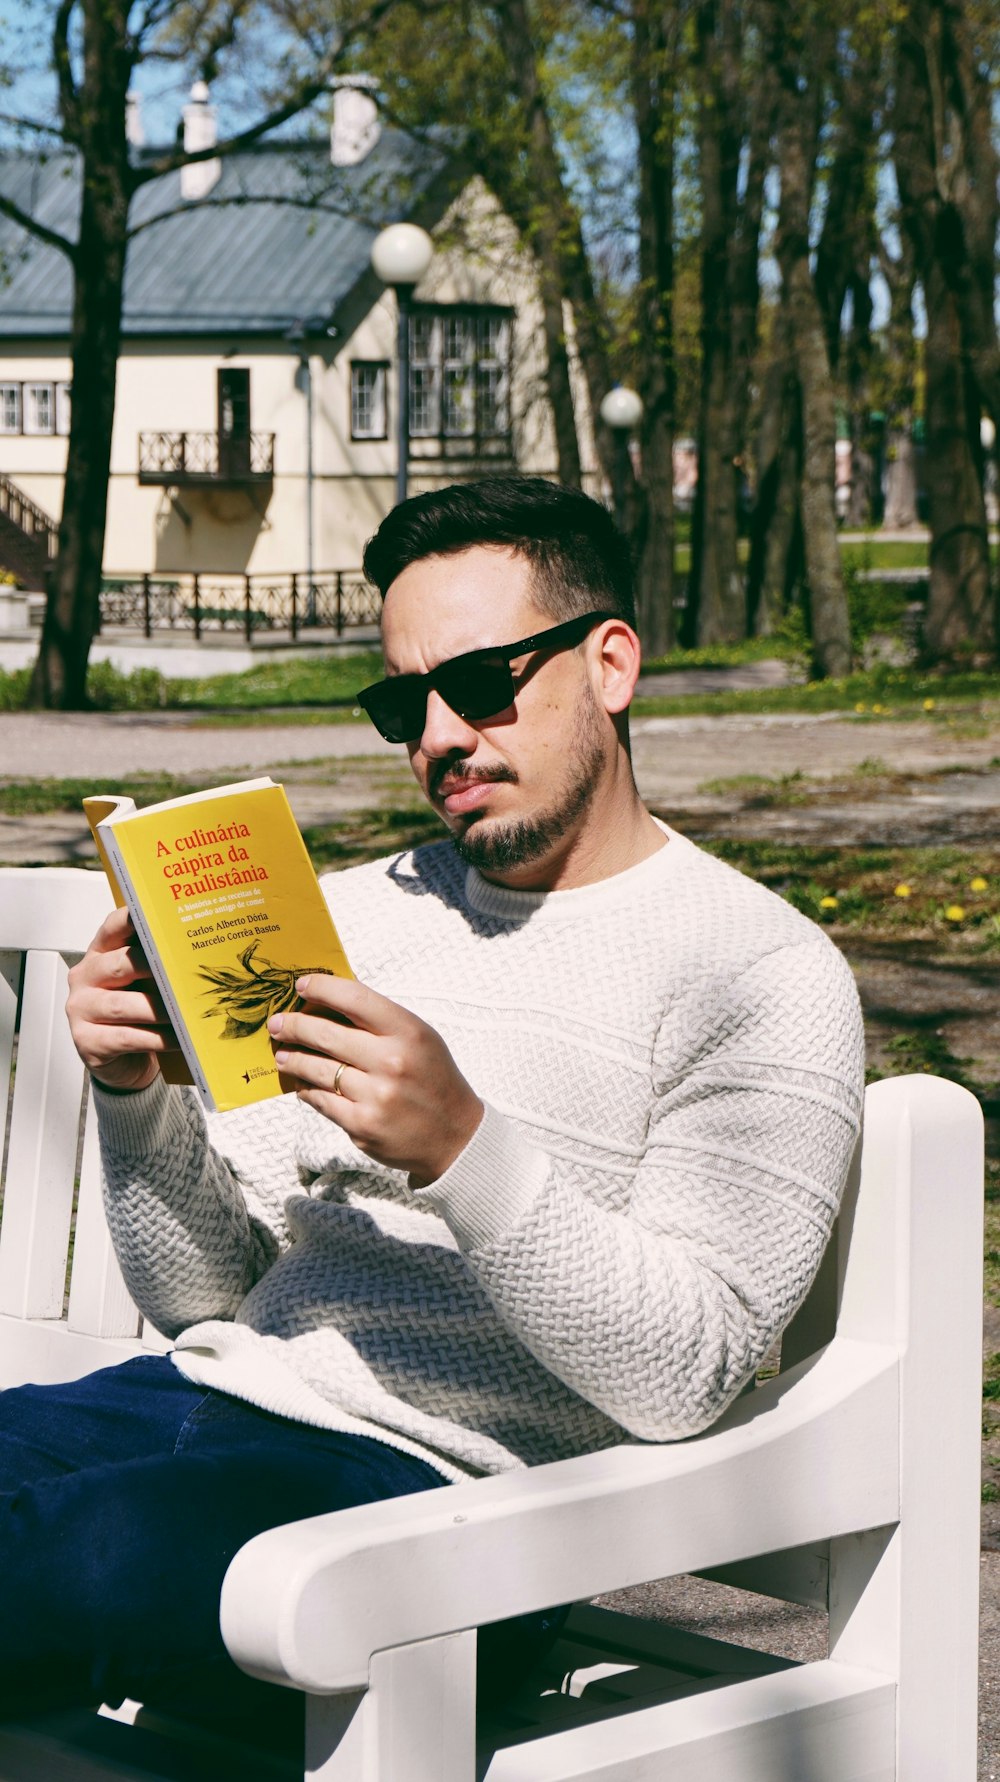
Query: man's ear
<point x="616" y="661"/>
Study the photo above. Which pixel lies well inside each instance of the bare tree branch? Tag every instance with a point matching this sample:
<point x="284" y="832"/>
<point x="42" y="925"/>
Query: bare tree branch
<point x="35" y="124"/>
<point x="50" y="237"/>
<point x="297" y="102"/>
<point x="242" y="201"/>
<point x="69" y="98"/>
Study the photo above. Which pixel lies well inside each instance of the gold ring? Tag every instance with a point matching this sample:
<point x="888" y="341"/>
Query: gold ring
<point x="336" y="1081"/>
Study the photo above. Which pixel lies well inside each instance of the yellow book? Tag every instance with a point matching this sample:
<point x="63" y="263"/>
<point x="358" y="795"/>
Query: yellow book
<point x="228" y="911"/>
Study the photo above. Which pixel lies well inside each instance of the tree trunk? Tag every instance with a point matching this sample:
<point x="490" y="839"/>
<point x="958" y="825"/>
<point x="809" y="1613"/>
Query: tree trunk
<point x="775" y="528"/>
<point x="72" y="610"/>
<point x="717" y="605"/>
<point x="932" y="170"/>
<point x="829" y="619"/>
<point x="653" y="99"/>
<point x="960" y="615"/>
<point x="539" y="213"/>
<point x="900" y="484"/>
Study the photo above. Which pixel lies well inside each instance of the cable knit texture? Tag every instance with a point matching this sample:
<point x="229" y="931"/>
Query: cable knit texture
<point x="672" y="1065"/>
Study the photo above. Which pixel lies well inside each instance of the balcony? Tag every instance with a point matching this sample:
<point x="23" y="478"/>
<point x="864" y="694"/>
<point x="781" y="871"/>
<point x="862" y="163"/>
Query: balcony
<point x="192" y="460"/>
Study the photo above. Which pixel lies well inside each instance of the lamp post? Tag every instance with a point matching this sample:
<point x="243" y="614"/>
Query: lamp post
<point x="297" y="337"/>
<point x="400" y="256"/>
<point x="621" y="410"/>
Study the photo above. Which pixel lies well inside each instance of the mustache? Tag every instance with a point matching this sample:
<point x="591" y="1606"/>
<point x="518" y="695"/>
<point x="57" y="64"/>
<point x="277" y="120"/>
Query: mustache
<point x="461" y="771"/>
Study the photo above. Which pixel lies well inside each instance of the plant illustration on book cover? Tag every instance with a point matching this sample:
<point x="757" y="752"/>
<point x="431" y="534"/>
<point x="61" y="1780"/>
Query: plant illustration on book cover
<point x="248" y="997"/>
<point x="229" y="913"/>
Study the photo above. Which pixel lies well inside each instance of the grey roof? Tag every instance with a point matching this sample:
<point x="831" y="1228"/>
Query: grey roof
<point x="283" y="236"/>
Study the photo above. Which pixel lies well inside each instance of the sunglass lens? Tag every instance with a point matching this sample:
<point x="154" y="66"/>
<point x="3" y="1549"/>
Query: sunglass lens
<point x="397" y="710"/>
<point x="477" y="689"/>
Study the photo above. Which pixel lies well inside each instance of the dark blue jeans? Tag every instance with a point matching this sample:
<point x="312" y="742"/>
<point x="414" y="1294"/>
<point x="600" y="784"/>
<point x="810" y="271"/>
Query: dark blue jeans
<point x="123" y="1498"/>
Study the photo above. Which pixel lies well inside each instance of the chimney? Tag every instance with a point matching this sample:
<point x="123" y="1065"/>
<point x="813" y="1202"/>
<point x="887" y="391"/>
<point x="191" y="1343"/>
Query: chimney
<point x="135" y="135"/>
<point x="356" y="125"/>
<point x="198" y="177"/>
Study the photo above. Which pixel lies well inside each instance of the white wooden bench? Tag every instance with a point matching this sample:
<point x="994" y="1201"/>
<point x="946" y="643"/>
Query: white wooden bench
<point x="849" y="1482"/>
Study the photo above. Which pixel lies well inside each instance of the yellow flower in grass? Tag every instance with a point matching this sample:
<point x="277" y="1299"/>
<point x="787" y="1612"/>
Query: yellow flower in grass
<point x="978" y="883"/>
<point x="878" y="708"/>
<point x="828" y="903"/>
<point x="928" y="705"/>
<point x="861" y="707"/>
<point x="903" y="891"/>
<point x="954" y="913"/>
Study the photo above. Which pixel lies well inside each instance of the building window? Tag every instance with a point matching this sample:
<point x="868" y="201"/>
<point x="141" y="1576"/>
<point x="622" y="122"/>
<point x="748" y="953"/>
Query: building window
<point x="460" y="375"/>
<point x="34" y="408"/>
<point x="39" y="408"/>
<point x="368" y="403"/>
<point x="10" y="408"/>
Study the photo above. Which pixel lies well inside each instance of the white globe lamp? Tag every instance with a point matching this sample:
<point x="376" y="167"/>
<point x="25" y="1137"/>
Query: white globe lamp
<point x="621" y="409"/>
<point x="400" y="256"/>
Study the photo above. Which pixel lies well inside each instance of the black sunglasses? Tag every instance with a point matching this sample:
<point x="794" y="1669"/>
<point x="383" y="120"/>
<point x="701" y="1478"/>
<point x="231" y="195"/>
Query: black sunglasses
<point x="476" y="685"/>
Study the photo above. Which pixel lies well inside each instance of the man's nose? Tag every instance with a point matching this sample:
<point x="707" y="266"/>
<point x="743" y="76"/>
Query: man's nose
<point x="444" y="732"/>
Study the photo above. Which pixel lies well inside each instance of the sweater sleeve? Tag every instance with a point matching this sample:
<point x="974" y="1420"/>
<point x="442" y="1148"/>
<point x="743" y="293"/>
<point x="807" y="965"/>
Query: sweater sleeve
<point x="657" y="1308"/>
<point x="194" y="1223"/>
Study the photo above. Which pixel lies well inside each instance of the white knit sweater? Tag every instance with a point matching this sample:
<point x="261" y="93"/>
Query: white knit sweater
<point x="671" y="1061"/>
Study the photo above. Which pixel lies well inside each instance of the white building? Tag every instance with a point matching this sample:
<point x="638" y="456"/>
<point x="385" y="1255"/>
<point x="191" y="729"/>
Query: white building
<point x="255" y="425"/>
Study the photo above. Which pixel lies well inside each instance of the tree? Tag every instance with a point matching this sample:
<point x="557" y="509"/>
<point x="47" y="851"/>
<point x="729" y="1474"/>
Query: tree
<point x="656" y="32"/>
<point x="800" y="49"/>
<point x="735" y="114"/>
<point x="96" y="47"/>
<point x="946" y="170"/>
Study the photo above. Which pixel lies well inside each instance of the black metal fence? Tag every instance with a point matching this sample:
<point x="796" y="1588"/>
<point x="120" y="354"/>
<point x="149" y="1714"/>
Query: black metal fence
<point x="182" y="458"/>
<point x="339" y="600"/>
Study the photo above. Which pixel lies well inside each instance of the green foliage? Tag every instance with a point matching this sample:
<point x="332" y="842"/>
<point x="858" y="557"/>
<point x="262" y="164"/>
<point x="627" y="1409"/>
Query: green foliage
<point x="320" y="680"/>
<point x="924" y="1049"/>
<point x="367" y="834"/>
<point x="898" y="693"/>
<point x="110" y="690"/>
<point x="32" y="798"/>
<point x="14" y="688"/>
<point x="875" y="607"/>
<point x="857" y="890"/>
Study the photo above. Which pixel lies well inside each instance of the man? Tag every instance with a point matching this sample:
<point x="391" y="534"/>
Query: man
<point x="561" y="1163"/>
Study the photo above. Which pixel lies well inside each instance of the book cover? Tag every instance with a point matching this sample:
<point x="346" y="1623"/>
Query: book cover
<point x="229" y="912"/>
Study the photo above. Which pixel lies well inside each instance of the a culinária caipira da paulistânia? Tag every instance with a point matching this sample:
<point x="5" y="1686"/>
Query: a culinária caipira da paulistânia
<point x="229" y="913"/>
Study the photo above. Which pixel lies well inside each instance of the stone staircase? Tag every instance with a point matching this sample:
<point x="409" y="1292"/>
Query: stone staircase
<point x="28" y="537"/>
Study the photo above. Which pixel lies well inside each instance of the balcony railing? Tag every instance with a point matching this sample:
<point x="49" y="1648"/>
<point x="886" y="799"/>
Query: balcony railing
<point x="181" y="460"/>
<point x="262" y="607"/>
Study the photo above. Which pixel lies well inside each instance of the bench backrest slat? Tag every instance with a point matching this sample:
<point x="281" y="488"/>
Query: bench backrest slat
<point x="47" y="918"/>
<point x="41" y="1158"/>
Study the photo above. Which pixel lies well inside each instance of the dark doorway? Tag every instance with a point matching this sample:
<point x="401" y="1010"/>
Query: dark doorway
<point x="233" y="392"/>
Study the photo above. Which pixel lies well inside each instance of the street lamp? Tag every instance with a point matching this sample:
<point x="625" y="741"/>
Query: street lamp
<point x="400" y="256"/>
<point x="621" y="410"/>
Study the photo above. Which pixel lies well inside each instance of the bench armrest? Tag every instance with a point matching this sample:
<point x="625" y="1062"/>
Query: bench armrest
<point x="810" y="1455"/>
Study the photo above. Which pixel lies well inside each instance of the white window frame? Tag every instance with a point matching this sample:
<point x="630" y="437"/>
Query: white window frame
<point x="31" y="402"/>
<point x="459" y="355"/>
<point x="375" y="370"/>
<point x="10" y="393"/>
<point x="425" y="377"/>
<point x="63" y="408"/>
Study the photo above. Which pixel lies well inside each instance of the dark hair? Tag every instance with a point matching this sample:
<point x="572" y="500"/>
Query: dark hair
<point x="580" y="559"/>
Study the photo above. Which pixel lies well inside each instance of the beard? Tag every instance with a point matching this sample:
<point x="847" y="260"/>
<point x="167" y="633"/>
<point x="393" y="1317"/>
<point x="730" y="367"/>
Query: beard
<point x="495" y="846"/>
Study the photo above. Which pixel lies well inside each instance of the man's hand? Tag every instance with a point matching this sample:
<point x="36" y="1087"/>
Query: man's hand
<point x="116" y="1018"/>
<point x="399" y="1093"/>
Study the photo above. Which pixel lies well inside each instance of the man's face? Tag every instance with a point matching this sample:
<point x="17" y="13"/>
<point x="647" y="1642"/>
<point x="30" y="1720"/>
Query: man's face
<point x="515" y="788"/>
